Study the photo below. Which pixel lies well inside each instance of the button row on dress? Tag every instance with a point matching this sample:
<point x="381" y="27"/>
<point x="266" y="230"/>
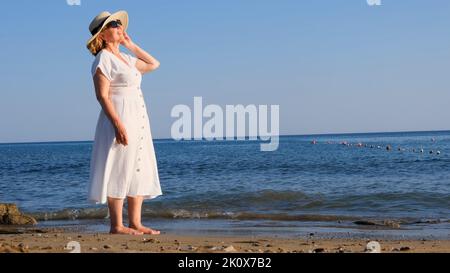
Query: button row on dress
<point x="143" y="116"/>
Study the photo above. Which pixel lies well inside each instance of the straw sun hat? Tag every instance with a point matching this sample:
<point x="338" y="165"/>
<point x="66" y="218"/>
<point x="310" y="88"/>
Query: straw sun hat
<point x="101" y="20"/>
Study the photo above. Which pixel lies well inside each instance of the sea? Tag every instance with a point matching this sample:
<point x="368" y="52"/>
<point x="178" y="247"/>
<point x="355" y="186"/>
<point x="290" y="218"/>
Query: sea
<point x="335" y="185"/>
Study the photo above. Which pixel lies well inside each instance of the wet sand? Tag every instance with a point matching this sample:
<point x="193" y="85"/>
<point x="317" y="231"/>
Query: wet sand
<point x="56" y="240"/>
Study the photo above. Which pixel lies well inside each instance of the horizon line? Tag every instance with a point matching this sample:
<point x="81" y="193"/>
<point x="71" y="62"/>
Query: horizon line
<point x="287" y="135"/>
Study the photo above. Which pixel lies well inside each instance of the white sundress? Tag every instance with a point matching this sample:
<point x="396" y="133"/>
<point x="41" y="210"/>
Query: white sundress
<point x="116" y="170"/>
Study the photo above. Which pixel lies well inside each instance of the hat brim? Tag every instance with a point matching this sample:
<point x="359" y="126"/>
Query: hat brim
<point x="120" y="15"/>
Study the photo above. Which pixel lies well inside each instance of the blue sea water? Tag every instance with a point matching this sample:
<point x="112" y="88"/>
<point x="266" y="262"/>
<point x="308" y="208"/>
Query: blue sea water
<point x="328" y="182"/>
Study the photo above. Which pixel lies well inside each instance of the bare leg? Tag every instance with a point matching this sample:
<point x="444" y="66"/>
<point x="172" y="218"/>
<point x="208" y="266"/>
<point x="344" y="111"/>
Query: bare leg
<point x="115" y="211"/>
<point x="134" y="215"/>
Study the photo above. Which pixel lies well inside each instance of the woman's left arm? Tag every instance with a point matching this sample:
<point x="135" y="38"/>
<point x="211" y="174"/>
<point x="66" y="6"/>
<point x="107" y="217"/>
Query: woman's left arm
<point x="145" y="62"/>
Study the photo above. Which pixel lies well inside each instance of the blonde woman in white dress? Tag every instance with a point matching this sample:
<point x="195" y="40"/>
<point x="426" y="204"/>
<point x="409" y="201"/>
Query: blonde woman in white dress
<point x="123" y="163"/>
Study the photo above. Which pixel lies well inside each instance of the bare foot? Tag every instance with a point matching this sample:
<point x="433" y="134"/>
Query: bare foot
<point x="146" y="230"/>
<point x="125" y="230"/>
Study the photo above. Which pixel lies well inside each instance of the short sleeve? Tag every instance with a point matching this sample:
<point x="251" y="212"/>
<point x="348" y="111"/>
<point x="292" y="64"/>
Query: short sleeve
<point x="102" y="62"/>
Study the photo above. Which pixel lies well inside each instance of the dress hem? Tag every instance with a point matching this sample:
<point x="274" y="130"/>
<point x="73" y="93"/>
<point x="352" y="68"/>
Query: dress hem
<point x="146" y="197"/>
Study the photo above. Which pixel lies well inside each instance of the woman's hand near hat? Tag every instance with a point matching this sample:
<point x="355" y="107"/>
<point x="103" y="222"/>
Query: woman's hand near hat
<point x="127" y="42"/>
<point x="145" y="62"/>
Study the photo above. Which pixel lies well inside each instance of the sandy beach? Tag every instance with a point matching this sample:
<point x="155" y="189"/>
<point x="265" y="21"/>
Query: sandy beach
<point x="54" y="240"/>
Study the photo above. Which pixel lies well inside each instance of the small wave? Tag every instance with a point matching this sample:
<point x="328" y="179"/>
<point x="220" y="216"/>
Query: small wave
<point x="93" y="213"/>
<point x="72" y="214"/>
<point x="183" y="214"/>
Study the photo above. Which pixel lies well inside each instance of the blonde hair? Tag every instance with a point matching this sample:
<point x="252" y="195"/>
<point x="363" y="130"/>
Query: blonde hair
<point x="96" y="45"/>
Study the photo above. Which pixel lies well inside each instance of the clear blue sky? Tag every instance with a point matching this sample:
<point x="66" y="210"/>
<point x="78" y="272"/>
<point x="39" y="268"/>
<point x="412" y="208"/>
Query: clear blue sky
<point x="332" y="66"/>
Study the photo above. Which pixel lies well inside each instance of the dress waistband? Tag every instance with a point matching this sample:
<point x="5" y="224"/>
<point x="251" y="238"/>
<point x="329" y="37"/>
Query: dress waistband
<point x="125" y="91"/>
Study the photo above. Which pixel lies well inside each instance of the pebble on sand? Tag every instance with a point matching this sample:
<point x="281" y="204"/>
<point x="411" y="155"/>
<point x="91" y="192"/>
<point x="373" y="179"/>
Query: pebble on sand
<point x="373" y="247"/>
<point x="229" y="249"/>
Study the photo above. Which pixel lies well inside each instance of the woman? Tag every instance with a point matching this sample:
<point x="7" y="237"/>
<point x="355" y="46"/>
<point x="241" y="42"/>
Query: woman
<point x="123" y="163"/>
